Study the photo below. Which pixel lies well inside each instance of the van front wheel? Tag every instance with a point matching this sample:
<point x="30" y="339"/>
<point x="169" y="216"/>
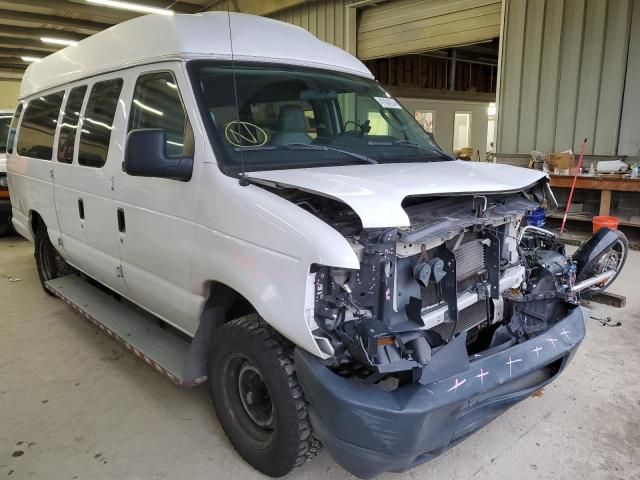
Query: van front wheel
<point x="256" y="395"/>
<point x="49" y="262"/>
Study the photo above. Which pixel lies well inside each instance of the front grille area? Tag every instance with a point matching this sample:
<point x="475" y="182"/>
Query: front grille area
<point x="470" y="266"/>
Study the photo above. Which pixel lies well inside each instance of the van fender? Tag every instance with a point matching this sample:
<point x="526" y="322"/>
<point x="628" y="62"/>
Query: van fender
<point x="195" y="365"/>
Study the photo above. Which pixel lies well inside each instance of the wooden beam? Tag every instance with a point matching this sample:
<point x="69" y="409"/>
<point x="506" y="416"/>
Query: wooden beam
<point x="611" y="299"/>
<point x="38" y="20"/>
<point x="437" y="94"/>
<point x="4" y="70"/>
<point x="17" y="53"/>
<point x="258" y="7"/>
<point x="605" y="203"/>
<point x="20" y="43"/>
<point x="36" y="33"/>
<point x="62" y="7"/>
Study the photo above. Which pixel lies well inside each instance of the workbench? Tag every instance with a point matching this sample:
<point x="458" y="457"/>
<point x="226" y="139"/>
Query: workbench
<point x="605" y="183"/>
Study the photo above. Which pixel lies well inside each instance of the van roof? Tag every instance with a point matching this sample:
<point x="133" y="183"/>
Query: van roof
<point x="152" y="38"/>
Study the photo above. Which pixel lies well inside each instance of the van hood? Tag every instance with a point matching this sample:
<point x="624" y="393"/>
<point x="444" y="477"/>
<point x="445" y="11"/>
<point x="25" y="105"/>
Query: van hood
<point x="375" y="192"/>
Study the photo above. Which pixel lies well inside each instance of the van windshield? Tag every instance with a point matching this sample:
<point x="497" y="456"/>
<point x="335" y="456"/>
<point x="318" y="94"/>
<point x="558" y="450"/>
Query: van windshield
<point x="5" y="121"/>
<point x="279" y="117"/>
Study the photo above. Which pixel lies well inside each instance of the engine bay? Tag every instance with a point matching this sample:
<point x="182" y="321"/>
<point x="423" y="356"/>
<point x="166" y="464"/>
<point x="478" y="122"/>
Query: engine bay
<point x="465" y="277"/>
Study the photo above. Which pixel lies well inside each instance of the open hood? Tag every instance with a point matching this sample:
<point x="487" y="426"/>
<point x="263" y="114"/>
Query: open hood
<point x="376" y="192"/>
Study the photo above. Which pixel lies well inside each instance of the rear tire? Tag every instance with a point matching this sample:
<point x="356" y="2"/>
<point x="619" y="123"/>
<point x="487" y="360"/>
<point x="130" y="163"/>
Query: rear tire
<point x="254" y="389"/>
<point x="49" y="262"/>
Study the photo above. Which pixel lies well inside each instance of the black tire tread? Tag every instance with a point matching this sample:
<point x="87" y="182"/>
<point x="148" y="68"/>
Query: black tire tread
<point x="308" y="446"/>
<point x="41" y="235"/>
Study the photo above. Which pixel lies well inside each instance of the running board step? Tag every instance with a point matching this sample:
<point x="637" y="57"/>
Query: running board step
<point x="139" y="332"/>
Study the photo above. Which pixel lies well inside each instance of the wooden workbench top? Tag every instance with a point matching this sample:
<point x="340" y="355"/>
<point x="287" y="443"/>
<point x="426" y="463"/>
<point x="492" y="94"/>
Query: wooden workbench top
<point x="611" y="182"/>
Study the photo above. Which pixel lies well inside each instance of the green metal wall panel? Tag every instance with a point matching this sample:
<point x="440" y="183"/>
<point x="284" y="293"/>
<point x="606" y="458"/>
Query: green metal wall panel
<point x="400" y="27"/>
<point x="329" y="20"/>
<point x="629" y="142"/>
<point x="562" y="73"/>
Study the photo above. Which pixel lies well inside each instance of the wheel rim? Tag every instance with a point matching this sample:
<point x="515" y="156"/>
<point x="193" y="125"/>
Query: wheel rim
<point x="255" y="396"/>
<point x="612" y="260"/>
<point x="249" y="400"/>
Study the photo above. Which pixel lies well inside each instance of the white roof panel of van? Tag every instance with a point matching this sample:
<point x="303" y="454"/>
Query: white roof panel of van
<point x="203" y="35"/>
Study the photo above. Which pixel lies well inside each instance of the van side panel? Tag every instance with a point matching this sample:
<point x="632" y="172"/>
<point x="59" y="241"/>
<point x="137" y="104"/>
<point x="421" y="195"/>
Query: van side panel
<point x="32" y="191"/>
<point x="263" y="246"/>
<point x="156" y="247"/>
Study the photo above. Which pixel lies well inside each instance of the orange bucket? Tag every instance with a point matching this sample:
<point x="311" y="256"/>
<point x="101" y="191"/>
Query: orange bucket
<point x="610" y="222"/>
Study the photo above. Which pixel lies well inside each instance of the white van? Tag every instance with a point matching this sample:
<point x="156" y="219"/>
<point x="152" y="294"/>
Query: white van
<point x="304" y="244"/>
<point x="5" y="205"/>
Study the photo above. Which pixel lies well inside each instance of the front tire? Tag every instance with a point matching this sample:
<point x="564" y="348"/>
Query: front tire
<point x="255" y="392"/>
<point x="49" y="262"/>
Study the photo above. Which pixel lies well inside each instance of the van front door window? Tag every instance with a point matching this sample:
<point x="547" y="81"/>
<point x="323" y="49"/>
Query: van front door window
<point x="157" y="104"/>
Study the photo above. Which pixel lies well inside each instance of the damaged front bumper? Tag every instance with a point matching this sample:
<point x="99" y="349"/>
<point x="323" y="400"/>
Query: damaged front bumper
<point x="369" y="431"/>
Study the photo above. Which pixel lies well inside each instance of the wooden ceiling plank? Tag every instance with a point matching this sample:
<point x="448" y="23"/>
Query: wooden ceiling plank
<point x="38" y="20"/>
<point x="37" y="33"/>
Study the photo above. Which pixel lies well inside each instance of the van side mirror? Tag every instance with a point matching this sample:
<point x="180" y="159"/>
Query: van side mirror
<point x="144" y="156"/>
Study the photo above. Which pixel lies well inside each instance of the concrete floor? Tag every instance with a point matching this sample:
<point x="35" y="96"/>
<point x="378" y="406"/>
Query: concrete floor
<point x="75" y="405"/>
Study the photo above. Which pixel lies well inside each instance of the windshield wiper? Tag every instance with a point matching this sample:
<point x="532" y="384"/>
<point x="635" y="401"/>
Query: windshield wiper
<point x="306" y="146"/>
<point x="410" y="143"/>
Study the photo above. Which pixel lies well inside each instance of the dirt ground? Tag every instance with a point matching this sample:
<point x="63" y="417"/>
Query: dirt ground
<point x="75" y="405"/>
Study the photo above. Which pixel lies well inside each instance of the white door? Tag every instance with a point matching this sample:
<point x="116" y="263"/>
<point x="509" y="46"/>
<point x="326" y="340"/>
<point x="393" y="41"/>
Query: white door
<point x="31" y="164"/>
<point x="158" y="214"/>
<point x="69" y="203"/>
<point x="88" y="182"/>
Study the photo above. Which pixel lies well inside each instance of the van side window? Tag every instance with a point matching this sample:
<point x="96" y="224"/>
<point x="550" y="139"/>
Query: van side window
<point x="69" y="125"/>
<point x="97" y="123"/>
<point x="11" y="137"/>
<point x="157" y="104"/>
<point x="39" y="125"/>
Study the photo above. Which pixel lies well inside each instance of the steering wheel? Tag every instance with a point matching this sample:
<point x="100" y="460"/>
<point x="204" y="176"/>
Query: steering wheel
<point x="356" y="131"/>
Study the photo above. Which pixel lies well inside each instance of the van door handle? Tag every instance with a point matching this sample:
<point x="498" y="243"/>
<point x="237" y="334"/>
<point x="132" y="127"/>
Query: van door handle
<point x="81" y="208"/>
<point x="122" y="227"/>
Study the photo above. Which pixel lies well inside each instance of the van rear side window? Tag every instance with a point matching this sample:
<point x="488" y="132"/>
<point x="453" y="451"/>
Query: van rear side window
<point x="69" y="125"/>
<point x="39" y="126"/>
<point x="97" y="124"/>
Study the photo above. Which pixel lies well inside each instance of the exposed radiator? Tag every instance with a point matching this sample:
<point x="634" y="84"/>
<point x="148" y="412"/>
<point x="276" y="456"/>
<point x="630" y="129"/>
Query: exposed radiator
<point x="470" y="264"/>
<point x="467" y="319"/>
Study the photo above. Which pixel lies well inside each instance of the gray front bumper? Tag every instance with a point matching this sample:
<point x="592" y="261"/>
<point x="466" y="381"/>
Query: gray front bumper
<point x="369" y="431"/>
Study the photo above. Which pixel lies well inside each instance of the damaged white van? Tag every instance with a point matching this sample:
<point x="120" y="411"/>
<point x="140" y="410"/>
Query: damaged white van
<point x="243" y="204"/>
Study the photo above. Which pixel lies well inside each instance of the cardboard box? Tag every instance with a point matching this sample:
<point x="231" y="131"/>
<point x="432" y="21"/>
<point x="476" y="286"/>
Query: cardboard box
<point x="562" y="163"/>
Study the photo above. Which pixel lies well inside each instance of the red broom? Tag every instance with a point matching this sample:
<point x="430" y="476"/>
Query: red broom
<point x="573" y="185"/>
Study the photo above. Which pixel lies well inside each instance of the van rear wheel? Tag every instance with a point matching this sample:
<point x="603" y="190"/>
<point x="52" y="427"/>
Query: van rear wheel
<point x="49" y="262"/>
<point x="255" y="392"/>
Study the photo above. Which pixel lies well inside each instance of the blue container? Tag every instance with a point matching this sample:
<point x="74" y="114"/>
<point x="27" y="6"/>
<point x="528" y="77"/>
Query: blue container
<point x="537" y="218"/>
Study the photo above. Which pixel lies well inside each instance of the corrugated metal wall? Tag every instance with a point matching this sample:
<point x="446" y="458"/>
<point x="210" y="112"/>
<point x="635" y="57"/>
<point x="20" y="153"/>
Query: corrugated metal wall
<point x="329" y="20"/>
<point x="408" y="26"/>
<point x="629" y="143"/>
<point x="562" y="73"/>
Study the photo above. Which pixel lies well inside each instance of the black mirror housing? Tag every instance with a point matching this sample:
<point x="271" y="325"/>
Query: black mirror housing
<point x="145" y="156"/>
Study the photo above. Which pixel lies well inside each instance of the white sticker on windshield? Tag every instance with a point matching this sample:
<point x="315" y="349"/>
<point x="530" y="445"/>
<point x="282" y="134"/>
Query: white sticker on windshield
<point x="386" y="102"/>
